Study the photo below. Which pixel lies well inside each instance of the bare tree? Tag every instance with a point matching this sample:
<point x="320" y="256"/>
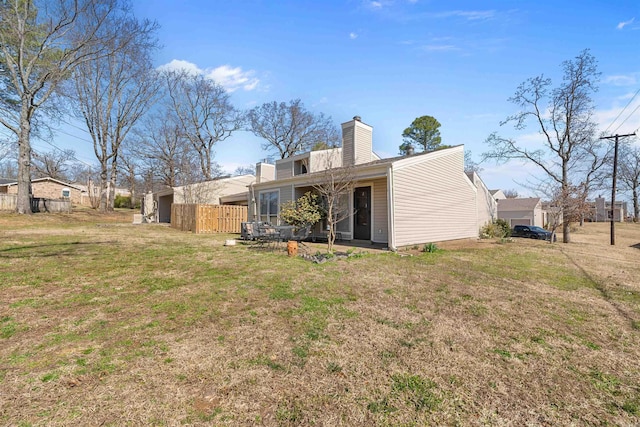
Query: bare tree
<point x="164" y="152"/>
<point x="114" y="91"/>
<point x="469" y="164"/>
<point x="335" y="185"/>
<point x="511" y="193"/>
<point x="86" y="175"/>
<point x="54" y="164"/>
<point x="204" y="113"/>
<point x="129" y="172"/>
<point x="629" y="174"/>
<point x="290" y="129"/>
<point x="245" y="170"/>
<point x="41" y="43"/>
<point x="564" y="118"/>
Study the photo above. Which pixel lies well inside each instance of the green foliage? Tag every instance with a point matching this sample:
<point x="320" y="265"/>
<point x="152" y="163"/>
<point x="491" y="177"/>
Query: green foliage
<point x="305" y="211"/>
<point x="430" y="248"/>
<point x="498" y="228"/>
<point x="121" y="201"/>
<point x="334" y="368"/>
<point x="124" y="202"/>
<point x="424" y="133"/>
<point x="417" y="391"/>
<point x="8" y="327"/>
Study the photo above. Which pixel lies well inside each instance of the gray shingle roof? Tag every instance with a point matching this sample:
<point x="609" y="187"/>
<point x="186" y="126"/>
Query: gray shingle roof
<point x="519" y="204"/>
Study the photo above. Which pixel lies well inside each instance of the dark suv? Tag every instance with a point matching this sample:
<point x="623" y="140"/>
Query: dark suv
<point x="530" y="231"/>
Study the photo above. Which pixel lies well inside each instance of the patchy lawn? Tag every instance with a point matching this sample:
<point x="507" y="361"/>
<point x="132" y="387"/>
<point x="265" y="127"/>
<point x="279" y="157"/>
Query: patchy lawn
<point x="107" y="323"/>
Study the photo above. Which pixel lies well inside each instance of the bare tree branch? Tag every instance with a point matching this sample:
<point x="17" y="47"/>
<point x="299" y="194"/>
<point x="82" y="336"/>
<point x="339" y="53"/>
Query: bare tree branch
<point x="570" y="157"/>
<point x="290" y="129"/>
<point x="204" y="112"/>
<point x="114" y="91"/>
<point x="41" y="43"/>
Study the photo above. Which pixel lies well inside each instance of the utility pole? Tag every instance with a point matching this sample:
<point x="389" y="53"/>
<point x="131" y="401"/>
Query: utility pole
<point x="616" y="137"/>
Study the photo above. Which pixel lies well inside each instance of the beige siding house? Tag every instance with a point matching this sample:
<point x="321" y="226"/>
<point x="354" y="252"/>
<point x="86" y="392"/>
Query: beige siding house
<point x="487" y="204"/>
<point x="227" y="190"/>
<point x="522" y="211"/>
<point x="399" y="201"/>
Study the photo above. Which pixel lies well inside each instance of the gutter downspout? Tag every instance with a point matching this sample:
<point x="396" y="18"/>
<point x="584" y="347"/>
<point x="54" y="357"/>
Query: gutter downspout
<point x="391" y="206"/>
<point x="253" y="200"/>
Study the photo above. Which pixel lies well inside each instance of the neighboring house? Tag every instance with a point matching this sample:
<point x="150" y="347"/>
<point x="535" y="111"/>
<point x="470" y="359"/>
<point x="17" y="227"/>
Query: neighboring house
<point x="497" y="194"/>
<point x="521" y="211"/>
<point x="487" y="204"/>
<point x="49" y="188"/>
<point x="552" y="213"/>
<point x="600" y="211"/>
<point x="399" y="201"/>
<point x="225" y="190"/>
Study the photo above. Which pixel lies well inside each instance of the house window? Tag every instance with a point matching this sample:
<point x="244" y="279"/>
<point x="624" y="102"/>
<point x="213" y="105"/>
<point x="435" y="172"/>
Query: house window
<point x="66" y="193"/>
<point x="300" y="167"/>
<point x="269" y="207"/>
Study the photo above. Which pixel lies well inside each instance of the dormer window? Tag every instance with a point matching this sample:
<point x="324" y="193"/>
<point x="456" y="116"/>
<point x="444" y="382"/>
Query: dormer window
<point x="300" y="167"/>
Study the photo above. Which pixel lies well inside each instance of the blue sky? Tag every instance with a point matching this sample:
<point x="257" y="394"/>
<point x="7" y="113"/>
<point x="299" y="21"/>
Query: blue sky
<point x="390" y="61"/>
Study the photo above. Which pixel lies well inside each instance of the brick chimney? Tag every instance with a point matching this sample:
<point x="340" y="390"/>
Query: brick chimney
<point x="357" y="142"/>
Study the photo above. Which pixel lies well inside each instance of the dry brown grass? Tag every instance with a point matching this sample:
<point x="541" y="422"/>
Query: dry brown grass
<point x="107" y="323"/>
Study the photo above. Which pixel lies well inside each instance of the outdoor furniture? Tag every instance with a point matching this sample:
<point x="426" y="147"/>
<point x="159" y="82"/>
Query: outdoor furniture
<point x="267" y="235"/>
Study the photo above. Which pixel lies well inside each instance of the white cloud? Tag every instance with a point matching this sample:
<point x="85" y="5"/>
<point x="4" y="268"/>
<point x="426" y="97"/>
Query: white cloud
<point x="231" y="78"/>
<point x="623" y="24"/>
<point x="180" y="65"/>
<point x="353" y="36"/>
<point x="439" y="47"/>
<point x="470" y="15"/>
<point x="375" y="4"/>
<point x="621" y="118"/>
<point x="622" y="80"/>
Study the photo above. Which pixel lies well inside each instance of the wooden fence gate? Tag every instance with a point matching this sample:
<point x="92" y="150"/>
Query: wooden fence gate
<point x="208" y="218"/>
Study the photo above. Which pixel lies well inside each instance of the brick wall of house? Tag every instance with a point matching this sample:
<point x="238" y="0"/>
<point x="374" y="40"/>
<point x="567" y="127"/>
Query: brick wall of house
<point x="51" y="190"/>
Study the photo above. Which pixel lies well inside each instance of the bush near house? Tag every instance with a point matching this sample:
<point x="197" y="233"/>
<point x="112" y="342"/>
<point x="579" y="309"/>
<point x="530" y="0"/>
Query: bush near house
<point x="499" y="228"/>
<point x="125" y="202"/>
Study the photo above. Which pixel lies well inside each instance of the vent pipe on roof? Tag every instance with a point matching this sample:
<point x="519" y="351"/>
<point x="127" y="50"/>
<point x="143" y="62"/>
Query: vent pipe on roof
<point x="410" y="150"/>
<point x="357" y="118"/>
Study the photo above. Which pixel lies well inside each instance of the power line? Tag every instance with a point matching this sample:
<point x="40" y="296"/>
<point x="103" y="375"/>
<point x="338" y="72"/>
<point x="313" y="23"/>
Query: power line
<point x="74" y="136"/>
<point x="619" y="114"/>
<point x="628" y="117"/>
<point x="615" y="137"/>
<point x="77" y="127"/>
<point x="74" y="157"/>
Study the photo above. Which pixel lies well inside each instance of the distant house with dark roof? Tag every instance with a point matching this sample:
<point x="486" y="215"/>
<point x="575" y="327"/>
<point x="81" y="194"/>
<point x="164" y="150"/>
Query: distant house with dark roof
<point x="49" y="188"/>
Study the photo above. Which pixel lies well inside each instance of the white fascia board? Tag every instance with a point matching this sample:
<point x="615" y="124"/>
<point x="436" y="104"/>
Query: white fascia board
<point x="417" y="159"/>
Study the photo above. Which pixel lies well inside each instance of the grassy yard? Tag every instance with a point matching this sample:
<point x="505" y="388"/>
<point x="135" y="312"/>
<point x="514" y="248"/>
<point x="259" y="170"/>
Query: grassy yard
<point x="103" y="322"/>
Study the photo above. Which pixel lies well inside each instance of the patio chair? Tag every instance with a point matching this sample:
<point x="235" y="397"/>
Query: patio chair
<point x="301" y="234"/>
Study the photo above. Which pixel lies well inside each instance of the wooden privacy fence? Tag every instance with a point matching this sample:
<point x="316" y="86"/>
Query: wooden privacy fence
<point x="8" y="202"/>
<point x="208" y="218"/>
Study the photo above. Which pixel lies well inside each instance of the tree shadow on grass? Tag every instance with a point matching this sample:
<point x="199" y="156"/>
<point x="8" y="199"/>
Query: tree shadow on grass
<point x="46" y="250"/>
<point x="604" y="292"/>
